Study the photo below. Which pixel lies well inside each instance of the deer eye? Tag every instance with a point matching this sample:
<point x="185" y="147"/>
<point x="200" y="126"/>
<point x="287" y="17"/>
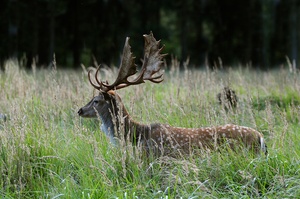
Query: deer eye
<point x="96" y="101"/>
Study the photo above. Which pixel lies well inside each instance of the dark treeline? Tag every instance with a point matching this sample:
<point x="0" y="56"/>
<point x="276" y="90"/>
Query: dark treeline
<point x="261" y="32"/>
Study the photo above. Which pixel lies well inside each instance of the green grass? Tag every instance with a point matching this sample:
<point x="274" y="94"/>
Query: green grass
<point x="47" y="151"/>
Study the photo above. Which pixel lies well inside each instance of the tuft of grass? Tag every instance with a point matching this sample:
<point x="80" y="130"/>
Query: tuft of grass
<point x="47" y="151"/>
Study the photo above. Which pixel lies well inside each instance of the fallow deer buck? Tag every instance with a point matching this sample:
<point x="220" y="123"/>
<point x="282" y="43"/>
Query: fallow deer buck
<point x="161" y="138"/>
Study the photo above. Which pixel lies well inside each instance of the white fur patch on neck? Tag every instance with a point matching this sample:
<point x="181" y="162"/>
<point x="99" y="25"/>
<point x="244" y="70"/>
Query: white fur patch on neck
<point x="109" y="132"/>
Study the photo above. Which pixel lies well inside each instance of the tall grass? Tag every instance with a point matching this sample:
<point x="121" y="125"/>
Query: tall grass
<point x="47" y="151"/>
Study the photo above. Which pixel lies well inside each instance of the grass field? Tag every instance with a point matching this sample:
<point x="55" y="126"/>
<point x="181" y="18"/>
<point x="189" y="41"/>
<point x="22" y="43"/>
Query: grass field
<point x="48" y="151"/>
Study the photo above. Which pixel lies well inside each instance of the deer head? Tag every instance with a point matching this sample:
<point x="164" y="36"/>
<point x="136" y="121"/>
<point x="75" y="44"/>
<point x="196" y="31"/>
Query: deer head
<point x="107" y="104"/>
<point x="152" y="64"/>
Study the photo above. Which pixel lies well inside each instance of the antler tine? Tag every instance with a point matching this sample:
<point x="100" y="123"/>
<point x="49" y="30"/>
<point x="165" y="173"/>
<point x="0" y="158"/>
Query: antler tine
<point x="91" y="82"/>
<point x="154" y="79"/>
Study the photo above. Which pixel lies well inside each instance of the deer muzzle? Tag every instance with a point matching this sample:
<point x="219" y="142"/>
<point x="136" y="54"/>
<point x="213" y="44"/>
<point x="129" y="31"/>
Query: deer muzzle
<point x="80" y="112"/>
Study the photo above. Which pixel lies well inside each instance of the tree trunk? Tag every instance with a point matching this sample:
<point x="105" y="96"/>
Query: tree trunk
<point x="267" y="24"/>
<point x="293" y="28"/>
<point x="51" y="37"/>
<point x="76" y="38"/>
<point x="13" y="29"/>
<point x="182" y="15"/>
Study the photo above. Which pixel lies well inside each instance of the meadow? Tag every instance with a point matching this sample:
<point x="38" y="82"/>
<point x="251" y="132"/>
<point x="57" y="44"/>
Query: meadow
<point x="48" y="151"/>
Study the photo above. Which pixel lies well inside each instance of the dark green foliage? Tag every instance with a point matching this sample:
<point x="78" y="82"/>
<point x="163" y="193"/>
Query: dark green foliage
<point x="258" y="32"/>
<point x="284" y="101"/>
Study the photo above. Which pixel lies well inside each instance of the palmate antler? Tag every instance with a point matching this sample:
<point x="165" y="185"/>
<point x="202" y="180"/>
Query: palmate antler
<point x="152" y="64"/>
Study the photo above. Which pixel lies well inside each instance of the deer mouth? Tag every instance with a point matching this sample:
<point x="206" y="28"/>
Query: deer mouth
<point x="80" y="112"/>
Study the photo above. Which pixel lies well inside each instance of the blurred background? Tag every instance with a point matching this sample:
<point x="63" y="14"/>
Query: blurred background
<point x="260" y="33"/>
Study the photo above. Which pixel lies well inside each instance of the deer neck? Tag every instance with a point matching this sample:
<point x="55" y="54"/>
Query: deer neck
<point x="117" y="122"/>
<point x="107" y="125"/>
<point x="134" y="131"/>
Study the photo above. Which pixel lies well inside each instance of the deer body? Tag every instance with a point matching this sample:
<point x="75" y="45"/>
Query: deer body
<point x="160" y="138"/>
<point x="163" y="138"/>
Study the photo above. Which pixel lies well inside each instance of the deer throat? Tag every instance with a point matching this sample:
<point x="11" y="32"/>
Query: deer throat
<point x="108" y="127"/>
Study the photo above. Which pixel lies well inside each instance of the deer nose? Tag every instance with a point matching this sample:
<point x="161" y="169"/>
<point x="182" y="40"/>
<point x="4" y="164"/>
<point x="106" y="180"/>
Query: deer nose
<point x="80" y="112"/>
